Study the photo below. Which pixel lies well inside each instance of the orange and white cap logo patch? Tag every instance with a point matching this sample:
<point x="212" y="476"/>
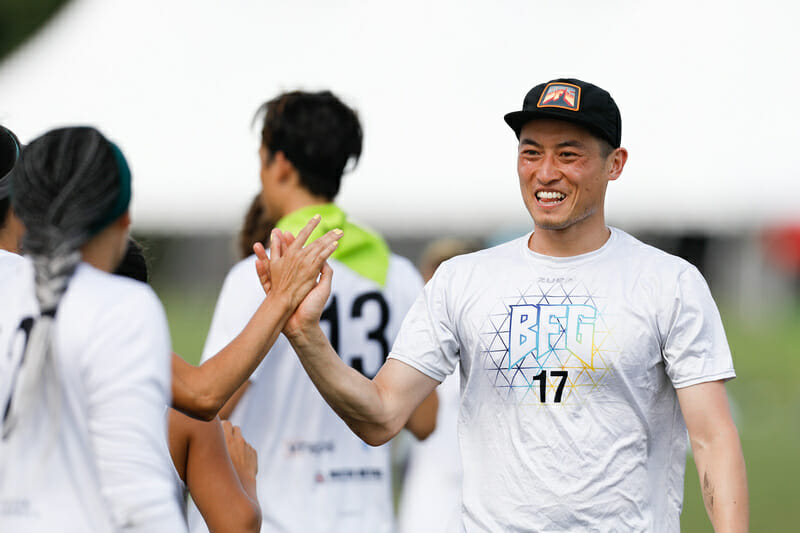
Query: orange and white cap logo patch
<point x="562" y="96"/>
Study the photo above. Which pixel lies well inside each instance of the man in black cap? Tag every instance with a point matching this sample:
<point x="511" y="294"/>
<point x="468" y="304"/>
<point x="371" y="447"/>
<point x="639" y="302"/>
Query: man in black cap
<point x="11" y="229"/>
<point x="584" y="353"/>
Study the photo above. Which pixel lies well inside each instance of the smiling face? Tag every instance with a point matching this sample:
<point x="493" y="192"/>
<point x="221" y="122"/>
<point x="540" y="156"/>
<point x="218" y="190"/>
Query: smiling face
<point x="563" y="173"/>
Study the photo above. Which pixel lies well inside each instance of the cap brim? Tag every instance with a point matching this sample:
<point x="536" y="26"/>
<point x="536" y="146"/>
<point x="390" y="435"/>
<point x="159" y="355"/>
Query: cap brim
<point x="518" y="119"/>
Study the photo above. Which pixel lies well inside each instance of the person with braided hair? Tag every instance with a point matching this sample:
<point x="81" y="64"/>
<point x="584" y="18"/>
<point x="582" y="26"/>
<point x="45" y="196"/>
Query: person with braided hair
<point x="94" y="422"/>
<point x="85" y="355"/>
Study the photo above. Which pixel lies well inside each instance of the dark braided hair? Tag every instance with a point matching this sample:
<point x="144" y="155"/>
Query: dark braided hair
<point x="67" y="184"/>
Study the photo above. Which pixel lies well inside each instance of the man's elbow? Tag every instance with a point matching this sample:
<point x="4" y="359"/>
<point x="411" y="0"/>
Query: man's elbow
<point x="376" y="434"/>
<point x="422" y="433"/>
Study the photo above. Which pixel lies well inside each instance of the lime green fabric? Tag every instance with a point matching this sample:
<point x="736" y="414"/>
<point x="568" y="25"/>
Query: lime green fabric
<point x="361" y="250"/>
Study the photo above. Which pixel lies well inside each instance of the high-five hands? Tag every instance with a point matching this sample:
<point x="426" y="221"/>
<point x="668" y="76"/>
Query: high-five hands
<point x="291" y="271"/>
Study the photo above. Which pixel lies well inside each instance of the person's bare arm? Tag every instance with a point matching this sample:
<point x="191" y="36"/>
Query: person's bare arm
<point x="202" y="391"/>
<point x="222" y="485"/>
<point x="717" y="455"/>
<point x="376" y="410"/>
<point x="422" y="421"/>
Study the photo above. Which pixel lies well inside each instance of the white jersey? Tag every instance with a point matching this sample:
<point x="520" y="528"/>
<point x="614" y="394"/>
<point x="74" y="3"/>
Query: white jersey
<point x="314" y="474"/>
<point x="102" y="466"/>
<point x="569" y="418"/>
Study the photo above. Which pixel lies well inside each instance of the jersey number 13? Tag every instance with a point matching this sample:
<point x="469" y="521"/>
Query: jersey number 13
<point x="363" y="330"/>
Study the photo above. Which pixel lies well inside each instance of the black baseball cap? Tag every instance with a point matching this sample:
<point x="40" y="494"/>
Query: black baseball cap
<point x="9" y="153"/>
<point x="574" y="101"/>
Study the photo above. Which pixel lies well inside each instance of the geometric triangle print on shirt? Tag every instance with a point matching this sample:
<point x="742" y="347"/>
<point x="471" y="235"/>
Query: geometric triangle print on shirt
<point x="547" y="346"/>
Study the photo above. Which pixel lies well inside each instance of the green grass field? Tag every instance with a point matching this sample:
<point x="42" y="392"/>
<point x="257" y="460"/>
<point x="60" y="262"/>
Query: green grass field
<point x="766" y="397"/>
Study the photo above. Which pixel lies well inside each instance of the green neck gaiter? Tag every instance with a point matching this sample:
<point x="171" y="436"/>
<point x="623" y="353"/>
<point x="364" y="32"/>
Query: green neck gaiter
<point x="361" y="250"/>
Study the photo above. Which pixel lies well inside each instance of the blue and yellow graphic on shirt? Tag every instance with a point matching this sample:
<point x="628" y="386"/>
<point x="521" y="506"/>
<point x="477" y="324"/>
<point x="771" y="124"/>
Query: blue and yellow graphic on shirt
<point x="548" y="346"/>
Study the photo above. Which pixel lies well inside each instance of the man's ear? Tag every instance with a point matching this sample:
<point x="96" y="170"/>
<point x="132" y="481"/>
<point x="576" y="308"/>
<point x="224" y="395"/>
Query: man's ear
<point x="616" y="163"/>
<point x="285" y="169"/>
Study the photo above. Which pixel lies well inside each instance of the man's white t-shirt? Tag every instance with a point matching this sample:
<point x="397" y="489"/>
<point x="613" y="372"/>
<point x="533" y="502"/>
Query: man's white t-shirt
<point x="103" y="465"/>
<point x="569" y="418"/>
<point x="314" y="474"/>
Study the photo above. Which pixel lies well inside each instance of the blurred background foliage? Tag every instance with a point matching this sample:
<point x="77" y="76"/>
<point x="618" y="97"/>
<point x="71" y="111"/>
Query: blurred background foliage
<point x="21" y="18"/>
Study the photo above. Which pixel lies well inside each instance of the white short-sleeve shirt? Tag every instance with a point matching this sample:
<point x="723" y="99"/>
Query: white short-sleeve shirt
<point x="569" y="418"/>
<point x="314" y="474"/>
<point x="103" y="465"/>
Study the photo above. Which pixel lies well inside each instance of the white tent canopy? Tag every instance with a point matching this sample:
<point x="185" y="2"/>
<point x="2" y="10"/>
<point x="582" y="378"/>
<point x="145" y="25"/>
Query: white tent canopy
<point x="705" y="89"/>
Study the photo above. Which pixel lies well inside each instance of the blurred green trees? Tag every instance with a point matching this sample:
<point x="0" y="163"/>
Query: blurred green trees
<point x="19" y="19"/>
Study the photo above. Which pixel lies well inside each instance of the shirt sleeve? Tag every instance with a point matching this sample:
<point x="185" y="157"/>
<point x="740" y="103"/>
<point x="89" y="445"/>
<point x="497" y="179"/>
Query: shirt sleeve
<point x="427" y="340"/>
<point x="695" y="348"/>
<point x="127" y="366"/>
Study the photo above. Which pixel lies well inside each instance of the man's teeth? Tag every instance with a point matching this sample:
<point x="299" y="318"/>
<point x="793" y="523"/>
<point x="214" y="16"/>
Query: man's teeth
<point x="550" y="195"/>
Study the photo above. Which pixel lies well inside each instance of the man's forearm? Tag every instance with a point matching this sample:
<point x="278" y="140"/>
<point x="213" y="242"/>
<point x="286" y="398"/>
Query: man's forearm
<point x="723" y="481"/>
<point x="355" y="398"/>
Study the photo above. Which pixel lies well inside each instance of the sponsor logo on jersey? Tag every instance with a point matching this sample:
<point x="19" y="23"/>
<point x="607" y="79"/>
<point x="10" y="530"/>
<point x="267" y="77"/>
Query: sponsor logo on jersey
<point x="349" y="474"/>
<point x="303" y="447"/>
<point x="562" y="96"/>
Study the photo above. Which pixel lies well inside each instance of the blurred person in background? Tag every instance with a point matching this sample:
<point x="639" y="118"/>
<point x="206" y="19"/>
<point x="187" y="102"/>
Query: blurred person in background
<point x="85" y="366"/>
<point x="314" y="475"/>
<point x="585" y="354"/>
<point x="430" y="500"/>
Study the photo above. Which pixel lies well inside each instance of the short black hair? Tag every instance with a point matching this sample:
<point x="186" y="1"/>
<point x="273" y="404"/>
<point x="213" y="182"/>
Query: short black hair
<point x="605" y="147"/>
<point x="317" y="133"/>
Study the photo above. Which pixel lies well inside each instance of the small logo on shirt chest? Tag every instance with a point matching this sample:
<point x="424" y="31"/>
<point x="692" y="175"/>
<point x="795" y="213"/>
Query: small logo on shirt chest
<point x="544" y="279"/>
